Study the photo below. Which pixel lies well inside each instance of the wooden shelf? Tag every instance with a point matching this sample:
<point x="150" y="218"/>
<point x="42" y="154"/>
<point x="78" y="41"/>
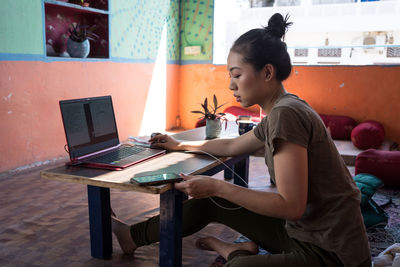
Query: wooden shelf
<point x="77" y="7"/>
<point x="60" y="15"/>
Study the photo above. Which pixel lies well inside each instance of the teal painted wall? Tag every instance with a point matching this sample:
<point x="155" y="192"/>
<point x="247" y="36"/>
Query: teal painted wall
<point x="197" y="27"/>
<point x="173" y="22"/>
<point x="137" y="25"/>
<point x="21" y="27"/>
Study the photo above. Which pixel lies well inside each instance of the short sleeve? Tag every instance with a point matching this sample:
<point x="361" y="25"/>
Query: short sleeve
<point x="289" y="125"/>
<point x="260" y="129"/>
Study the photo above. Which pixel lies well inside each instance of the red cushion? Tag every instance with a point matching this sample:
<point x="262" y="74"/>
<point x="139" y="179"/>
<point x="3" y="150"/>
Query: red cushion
<point x="233" y="112"/>
<point x="368" y="134"/>
<point x="200" y="123"/>
<point x="383" y="164"/>
<point x="340" y="127"/>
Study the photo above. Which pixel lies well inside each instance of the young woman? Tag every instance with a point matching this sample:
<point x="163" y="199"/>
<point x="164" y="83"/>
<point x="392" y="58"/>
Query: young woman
<point x="314" y="218"/>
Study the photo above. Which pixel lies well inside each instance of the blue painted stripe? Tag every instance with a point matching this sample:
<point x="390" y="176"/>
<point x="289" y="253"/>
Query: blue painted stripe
<point x="38" y="57"/>
<point x="56" y="59"/>
<point x="192" y="62"/>
<point x="132" y="60"/>
<point x="21" y="57"/>
<point x="174" y="61"/>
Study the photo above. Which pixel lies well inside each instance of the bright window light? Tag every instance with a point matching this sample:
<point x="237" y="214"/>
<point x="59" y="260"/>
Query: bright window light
<point x="154" y="118"/>
<point x="325" y="32"/>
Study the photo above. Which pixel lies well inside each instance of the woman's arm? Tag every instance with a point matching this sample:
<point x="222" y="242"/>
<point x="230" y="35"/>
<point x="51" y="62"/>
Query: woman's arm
<point x="244" y="144"/>
<point x="291" y="175"/>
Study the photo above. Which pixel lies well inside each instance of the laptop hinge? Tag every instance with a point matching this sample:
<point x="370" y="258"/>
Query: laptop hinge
<point x="95" y="153"/>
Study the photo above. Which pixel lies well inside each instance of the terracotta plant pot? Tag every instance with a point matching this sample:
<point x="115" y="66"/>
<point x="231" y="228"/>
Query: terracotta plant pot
<point x="213" y="129"/>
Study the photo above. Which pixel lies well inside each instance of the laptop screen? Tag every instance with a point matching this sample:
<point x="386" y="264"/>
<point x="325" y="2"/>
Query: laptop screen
<point x="89" y="125"/>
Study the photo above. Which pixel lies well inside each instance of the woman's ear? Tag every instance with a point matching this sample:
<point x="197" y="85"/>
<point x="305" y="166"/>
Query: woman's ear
<point x="269" y="72"/>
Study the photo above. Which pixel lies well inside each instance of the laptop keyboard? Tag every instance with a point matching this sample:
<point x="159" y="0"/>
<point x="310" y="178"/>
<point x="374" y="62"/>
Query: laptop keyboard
<point x="117" y="155"/>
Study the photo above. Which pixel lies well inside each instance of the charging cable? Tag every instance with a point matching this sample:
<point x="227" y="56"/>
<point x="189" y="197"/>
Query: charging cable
<point x="229" y="168"/>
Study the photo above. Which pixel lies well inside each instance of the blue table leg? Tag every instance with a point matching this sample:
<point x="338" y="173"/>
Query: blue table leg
<point x="100" y="222"/>
<point x="242" y="169"/>
<point x="171" y="228"/>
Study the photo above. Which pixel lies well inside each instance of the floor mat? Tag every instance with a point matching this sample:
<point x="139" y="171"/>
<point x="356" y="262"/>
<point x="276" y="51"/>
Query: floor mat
<point x="381" y="238"/>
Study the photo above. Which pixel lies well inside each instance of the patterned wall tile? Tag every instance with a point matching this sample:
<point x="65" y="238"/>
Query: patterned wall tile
<point x="197" y="27"/>
<point x="137" y="25"/>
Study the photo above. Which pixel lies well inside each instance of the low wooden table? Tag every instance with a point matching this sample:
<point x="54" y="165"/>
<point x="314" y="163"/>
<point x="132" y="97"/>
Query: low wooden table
<point x="100" y="181"/>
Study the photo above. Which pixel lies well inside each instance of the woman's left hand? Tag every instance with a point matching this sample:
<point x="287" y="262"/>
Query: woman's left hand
<point x="197" y="186"/>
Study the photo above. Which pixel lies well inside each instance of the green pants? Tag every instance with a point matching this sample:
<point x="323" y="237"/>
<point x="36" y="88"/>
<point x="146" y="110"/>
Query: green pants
<point x="269" y="233"/>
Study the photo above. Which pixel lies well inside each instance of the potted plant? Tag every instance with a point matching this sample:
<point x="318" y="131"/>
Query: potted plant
<point x="79" y="2"/>
<point x="78" y="42"/>
<point x="212" y="118"/>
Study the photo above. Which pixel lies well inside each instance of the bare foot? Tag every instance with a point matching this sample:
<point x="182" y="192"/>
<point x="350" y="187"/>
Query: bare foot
<point x="224" y="248"/>
<point x="123" y="233"/>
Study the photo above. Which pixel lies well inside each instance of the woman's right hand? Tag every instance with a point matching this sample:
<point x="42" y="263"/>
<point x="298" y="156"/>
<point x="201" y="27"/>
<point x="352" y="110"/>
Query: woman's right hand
<point x="164" y="141"/>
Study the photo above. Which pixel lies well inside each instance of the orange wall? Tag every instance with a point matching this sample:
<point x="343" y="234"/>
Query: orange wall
<point x="172" y="112"/>
<point x="31" y="128"/>
<point x="362" y="92"/>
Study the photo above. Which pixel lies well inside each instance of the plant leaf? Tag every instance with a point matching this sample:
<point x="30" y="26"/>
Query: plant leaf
<point x="205" y="106"/>
<point x="221" y="105"/>
<point x="205" y="109"/>
<point x="196" y="111"/>
<point x="215" y="103"/>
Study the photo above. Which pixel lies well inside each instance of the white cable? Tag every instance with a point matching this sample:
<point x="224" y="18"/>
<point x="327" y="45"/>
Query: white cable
<point x="192" y="151"/>
<point x="222" y="207"/>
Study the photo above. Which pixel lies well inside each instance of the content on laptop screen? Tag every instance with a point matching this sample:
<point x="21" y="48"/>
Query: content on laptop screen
<point x="89" y="125"/>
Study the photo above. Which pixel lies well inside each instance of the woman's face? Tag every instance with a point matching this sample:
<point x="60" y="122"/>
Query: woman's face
<point x="246" y="83"/>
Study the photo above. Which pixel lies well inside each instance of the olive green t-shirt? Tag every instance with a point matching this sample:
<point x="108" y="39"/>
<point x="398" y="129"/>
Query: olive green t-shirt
<point x="332" y="219"/>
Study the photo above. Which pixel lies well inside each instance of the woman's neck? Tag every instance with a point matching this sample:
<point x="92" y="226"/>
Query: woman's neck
<point x="270" y="101"/>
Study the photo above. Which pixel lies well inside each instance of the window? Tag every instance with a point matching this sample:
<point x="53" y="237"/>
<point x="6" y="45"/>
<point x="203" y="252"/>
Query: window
<point x="344" y="32"/>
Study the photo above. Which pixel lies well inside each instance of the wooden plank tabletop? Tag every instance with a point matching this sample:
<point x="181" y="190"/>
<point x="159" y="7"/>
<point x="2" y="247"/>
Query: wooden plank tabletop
<point x="171" y="162"/>
<point x="176" y="162"/>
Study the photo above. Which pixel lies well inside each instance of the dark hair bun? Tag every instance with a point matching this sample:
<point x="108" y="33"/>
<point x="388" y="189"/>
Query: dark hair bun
<point x="277" y="25"/>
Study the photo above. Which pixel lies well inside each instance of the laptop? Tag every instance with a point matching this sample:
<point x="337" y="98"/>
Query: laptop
<point x="92" y="136"/>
